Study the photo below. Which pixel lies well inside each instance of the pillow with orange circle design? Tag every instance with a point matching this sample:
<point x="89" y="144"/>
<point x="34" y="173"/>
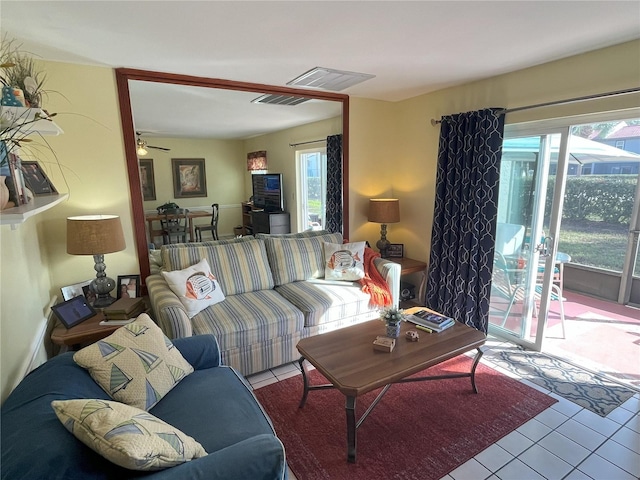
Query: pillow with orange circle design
<point x="195" y="286"/>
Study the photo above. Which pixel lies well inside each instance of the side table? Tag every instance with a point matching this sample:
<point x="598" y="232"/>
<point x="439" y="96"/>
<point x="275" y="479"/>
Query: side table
<point x="410" y="265"/>
<point x="88" y="331"/>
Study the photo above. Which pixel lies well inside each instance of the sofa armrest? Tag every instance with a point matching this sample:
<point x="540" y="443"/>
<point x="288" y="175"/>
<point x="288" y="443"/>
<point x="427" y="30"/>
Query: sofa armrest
<point x="261" y="456"/>
<point x="391" y="273"/>
<point x="170" y="314"/>
<point x="201" y="351"/>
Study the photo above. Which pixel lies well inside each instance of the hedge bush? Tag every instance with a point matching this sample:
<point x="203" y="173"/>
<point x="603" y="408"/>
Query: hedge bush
<point x="605" y="198"/>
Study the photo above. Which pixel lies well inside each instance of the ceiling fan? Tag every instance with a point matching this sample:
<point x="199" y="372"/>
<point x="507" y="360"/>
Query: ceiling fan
<point x="142" y="147"/>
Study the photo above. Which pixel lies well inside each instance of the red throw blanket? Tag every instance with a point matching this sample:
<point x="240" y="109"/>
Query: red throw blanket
<point x="373" y="282"/>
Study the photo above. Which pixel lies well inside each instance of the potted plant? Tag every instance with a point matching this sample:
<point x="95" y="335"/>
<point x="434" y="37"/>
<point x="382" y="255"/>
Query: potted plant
<point x="392" y="317"/>
<point x="22" y="86"/>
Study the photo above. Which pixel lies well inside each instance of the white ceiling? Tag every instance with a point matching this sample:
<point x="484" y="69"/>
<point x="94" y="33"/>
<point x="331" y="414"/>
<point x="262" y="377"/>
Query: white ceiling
<point x="411" y="47"/>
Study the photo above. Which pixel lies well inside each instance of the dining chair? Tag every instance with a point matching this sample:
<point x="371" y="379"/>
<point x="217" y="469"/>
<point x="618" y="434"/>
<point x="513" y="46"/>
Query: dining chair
<point x="213" y="227"/>
<point x="175" y="226"/>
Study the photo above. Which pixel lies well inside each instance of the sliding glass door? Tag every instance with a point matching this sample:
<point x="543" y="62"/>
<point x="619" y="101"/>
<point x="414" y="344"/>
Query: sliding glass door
<point x="526" y="257"/>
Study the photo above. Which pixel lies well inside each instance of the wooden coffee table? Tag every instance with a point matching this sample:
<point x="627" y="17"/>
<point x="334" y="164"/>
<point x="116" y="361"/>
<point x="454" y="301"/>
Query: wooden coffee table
<point x="347" y="359"/>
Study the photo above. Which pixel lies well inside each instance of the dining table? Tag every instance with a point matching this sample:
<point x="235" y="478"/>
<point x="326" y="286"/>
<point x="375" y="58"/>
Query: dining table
<point x="157" y="217"/>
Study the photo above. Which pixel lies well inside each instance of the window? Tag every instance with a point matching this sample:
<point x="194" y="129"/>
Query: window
<point x="312" y="188"/>
<point x="620" y="144"/>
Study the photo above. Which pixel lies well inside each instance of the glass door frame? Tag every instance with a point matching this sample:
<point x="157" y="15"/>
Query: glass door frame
<point x="550" y="241"/>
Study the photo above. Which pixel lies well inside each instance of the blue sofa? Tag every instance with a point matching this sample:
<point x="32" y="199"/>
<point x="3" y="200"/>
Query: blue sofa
<point x="214" y="405"/>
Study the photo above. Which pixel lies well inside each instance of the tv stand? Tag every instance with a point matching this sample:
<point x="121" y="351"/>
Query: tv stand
<point x="270" y="222"/>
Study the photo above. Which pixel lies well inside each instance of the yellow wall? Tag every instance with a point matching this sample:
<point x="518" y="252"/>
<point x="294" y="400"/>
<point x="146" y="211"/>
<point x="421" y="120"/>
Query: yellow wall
<point x="393" y="152"/>
<point x="406" y="162"/>
<point x="225" y="166"/>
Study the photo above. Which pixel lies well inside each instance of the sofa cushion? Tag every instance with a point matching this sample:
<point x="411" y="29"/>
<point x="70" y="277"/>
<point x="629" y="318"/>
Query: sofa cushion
<point x="324" y="301"/>
<point x="240" y="265"/>
<point x="344" y="261"/>
<point x="248" y="318"/>
<point x="137" y="364"/>
<point x="125" y="435"/>
<point x="195" y="286"/>
<point x="297" y="258"/>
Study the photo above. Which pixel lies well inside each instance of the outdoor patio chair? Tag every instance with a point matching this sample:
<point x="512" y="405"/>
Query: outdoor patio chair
<point x="508" y="283"/>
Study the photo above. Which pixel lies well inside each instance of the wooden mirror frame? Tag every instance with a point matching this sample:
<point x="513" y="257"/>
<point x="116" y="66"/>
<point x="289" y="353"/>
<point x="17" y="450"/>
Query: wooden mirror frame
<point x="123" y="75"/>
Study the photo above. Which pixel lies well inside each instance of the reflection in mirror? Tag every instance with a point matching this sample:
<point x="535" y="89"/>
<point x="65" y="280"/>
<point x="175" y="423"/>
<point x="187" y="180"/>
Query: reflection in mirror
<point x="215" y="120"/>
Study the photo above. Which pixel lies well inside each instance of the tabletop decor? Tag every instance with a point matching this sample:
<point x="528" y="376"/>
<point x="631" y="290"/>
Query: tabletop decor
<point x="392" y="317"/>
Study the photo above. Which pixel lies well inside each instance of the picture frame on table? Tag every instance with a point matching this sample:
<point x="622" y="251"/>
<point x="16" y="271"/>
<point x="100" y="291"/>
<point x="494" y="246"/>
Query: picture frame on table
<point x="395" y="250"/>
<point x="75" y="290"/>
<point x="36" y="180"/>
<point x="74" y="311"/>
<point x="147" y="179"/>
<point x="189" y="177"/>
<point x="128" y="286"/>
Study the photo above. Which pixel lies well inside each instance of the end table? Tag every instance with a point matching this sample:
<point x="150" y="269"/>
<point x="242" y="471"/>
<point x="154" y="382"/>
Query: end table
<point x="88" y="331"/>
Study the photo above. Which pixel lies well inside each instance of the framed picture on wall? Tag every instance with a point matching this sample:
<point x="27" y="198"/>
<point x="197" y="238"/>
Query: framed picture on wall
<point x="189" y="177"/>
<point x="147" y="179"/>
<point x="396" y="250"/>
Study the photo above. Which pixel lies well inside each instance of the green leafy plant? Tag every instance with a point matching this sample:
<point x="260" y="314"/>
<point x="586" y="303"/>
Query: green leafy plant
<point x="18" y="70"/>
<point x="392" y="315"/>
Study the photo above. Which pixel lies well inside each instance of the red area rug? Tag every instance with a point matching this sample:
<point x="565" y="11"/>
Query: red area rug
<point x="419" y="430"/>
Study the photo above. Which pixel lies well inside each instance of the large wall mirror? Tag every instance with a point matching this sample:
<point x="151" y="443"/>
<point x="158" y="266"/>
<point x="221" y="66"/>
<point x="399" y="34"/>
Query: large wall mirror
<point x="155" y="103"/>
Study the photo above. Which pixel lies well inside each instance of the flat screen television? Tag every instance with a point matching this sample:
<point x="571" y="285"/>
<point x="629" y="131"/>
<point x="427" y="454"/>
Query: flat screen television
<point x="267" y="191"/>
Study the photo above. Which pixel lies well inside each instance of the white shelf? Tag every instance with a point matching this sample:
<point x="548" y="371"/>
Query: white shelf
<point x="17" y="215"/>
<point x="20" y="115"/>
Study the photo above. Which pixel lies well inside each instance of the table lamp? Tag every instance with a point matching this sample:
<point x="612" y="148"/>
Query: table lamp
<point x="96" y="235"/>
<point x="384" y="210"/>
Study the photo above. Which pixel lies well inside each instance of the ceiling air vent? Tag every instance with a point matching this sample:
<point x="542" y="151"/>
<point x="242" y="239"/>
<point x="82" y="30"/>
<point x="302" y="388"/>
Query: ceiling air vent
<point x="329" y="79"/>
<point x="274" y="99"/>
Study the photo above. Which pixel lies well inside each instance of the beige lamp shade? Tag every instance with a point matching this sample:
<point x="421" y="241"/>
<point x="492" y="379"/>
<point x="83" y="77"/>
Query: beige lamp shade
<point x="94" y="235"/>
<point x="257" y="161"/>
<point x="384" y="210"/>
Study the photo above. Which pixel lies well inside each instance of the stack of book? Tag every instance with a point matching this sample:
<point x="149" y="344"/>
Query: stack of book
<point x="124" y="309"/>
<point x="431" y="320"/>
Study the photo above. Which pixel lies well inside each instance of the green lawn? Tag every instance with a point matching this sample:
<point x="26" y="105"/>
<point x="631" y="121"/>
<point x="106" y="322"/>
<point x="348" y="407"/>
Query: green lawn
<point x="596" y="244"/>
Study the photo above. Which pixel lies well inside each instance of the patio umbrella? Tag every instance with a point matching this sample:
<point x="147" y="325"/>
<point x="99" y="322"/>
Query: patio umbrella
<point x="581" y="150"/>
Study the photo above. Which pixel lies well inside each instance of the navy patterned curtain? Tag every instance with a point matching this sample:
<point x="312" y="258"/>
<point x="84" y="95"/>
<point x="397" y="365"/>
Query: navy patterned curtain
<point x="334" y="184"/>
<point x="464" y="223"/>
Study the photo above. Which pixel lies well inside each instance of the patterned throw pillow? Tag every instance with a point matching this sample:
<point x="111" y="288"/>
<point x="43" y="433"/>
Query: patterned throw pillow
<point x="195" y="286"/>
<point x="125" y="435"/>
<point x="344" y="262"/>
<point x="137" y="364"/>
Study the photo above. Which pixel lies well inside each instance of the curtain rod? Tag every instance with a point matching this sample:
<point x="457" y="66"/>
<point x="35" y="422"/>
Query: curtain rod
<point x="310" y="141"/>
<point x="435" y="122"/>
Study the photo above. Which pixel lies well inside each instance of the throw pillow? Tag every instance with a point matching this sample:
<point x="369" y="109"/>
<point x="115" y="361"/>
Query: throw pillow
<point x="195" y="286"/>
<point x="344" y="262"/>
<point x="137" y="364"/>
<point x="125" y="435"/>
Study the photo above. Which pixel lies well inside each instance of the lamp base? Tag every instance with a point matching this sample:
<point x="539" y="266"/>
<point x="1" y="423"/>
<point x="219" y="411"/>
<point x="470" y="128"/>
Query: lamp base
<point x="103" y="301"/>
<point x="102" y="285"/>
<point x="383" y="243"/>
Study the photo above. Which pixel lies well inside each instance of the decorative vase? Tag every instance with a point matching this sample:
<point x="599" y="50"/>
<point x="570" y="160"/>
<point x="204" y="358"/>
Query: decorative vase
<point x="393" y="330"/>
<point x="4" y="193"/>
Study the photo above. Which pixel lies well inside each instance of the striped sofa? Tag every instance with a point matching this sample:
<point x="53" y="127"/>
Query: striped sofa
<point x="275" y="296"/>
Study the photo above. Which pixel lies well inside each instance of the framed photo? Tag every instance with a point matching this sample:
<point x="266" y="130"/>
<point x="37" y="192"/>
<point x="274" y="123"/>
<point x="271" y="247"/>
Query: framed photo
<point x="147" y="179"/>
<point x="74" y="311"/>
<point x="76" y="290"/>
<point x="128" y="286"/>
<point x="89" y="294"/>
<point x="396" y="250"/>
<point x="189" y="177"/>
<point x="36" y="180"/>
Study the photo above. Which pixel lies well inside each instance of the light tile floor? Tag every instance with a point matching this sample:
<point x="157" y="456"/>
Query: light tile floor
<point x="565" y="441"/>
